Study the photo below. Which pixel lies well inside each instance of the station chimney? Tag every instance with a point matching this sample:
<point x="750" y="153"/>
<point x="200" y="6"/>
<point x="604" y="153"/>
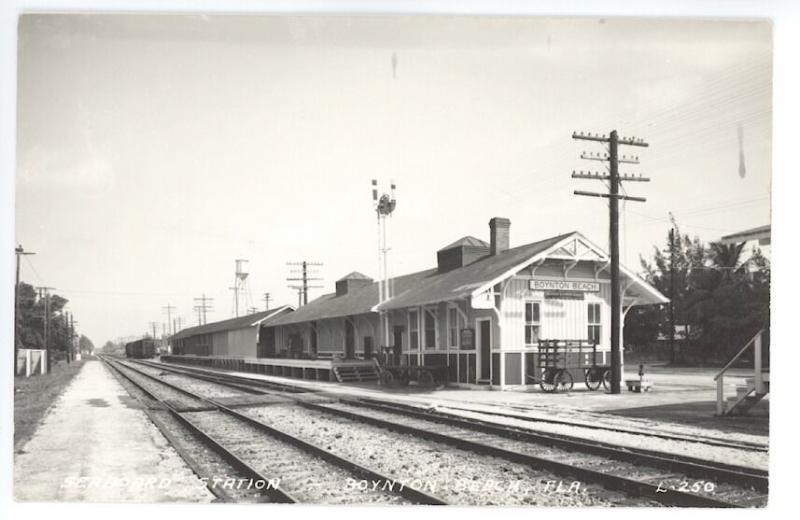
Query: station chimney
<point x="499" y="235"/>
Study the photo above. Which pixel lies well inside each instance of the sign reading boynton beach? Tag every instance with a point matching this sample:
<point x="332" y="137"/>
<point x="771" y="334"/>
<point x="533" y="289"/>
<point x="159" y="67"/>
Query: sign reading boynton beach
<point x="564" y="285"/>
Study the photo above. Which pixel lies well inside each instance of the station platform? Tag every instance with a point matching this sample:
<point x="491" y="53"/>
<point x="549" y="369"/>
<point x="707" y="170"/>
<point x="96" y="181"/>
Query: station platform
<point x="95" y="444"/>
<point x="681" y="400"/>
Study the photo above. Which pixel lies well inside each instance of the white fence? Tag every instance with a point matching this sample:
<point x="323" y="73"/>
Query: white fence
<point x="31" y="362"/>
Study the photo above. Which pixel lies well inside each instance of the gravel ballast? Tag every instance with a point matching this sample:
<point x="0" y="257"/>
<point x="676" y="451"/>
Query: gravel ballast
<point x="458" y="476"/>
<point x="717" y="490"/>
<point x="304" y="476"/>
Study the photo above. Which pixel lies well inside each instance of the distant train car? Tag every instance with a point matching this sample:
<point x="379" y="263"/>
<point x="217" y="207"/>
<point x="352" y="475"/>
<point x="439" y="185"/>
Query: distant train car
<point x="143" y="348"/>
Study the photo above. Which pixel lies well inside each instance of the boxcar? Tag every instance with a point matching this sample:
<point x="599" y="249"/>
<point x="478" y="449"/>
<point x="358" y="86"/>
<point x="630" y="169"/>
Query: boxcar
<point x="143" y="348"/>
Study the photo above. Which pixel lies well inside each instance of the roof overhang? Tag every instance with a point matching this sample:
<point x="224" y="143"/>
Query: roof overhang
<point x="568" y="250"/>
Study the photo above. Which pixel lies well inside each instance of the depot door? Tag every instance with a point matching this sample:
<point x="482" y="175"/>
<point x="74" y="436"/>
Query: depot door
<point x="484" y="333"/>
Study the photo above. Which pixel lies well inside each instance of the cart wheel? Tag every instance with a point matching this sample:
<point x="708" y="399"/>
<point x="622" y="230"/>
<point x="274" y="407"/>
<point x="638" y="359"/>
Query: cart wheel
<point x="563" y="381"/>
<point x="387" y="378"/>
<point x="546" y="382"/>
<point x="607" y="379"/>
<point x="426" y="379"/>
<point x="593" y="378"/>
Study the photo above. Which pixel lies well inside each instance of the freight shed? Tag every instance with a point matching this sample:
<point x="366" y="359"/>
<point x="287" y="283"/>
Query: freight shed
<point x="237" y="337"/>
<point x="481" y="312"/>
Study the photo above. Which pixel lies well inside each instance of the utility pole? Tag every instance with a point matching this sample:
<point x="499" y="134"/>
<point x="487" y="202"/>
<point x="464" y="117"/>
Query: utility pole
<point x="169" y="308"/>
<point x="266" y="300"/>
<point x="69" y="336"/>
<point x="76" y="339"/>
<point x="73" y="336"/>
<point x="614" y="179"/>
<point x="299" y="289"/>
<point x="304" y="278"/>
<point x="672" y="295"/>
<point x="153" y="325"/>
<point x="46" y="292"/>
<point x="18" y="251"/>
<point x="202" y="308"/>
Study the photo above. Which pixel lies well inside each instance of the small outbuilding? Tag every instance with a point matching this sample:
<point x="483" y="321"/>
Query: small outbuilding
<point x="240" y="337"/>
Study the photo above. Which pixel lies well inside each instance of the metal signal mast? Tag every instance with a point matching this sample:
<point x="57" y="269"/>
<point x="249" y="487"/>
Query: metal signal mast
<point x="384" y="206"/>
<point x="614" y="179"/>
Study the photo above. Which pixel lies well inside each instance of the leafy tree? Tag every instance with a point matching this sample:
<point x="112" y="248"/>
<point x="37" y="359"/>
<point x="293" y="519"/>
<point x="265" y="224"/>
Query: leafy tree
<point x="720" y="299"/>
<point x="85" y="345"/>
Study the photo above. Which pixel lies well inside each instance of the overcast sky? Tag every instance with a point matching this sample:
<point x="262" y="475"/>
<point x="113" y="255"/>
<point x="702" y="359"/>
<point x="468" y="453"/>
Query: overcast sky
<point x="155" y="150"/>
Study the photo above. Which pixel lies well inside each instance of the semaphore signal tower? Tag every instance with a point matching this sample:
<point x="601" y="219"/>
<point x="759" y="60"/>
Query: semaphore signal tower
<point x="384" y="206"/>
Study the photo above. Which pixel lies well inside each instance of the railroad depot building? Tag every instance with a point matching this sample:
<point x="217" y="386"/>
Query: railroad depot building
<point x="236" y="337"/>
<point x="480" y="311"/>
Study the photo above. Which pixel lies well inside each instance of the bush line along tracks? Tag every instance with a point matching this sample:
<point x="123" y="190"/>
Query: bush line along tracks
<point x="749" y="485"/>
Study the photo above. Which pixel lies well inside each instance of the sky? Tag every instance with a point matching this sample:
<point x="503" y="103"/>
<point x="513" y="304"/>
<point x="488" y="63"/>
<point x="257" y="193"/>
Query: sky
<point x="153" y="151"/>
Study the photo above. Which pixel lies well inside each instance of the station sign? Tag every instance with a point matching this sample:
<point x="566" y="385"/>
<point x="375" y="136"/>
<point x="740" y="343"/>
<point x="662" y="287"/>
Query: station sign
<point x="563" y="286"/>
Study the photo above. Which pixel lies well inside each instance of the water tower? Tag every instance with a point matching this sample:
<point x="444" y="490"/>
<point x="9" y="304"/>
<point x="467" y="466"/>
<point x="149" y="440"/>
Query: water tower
<point x="241" y="291"/>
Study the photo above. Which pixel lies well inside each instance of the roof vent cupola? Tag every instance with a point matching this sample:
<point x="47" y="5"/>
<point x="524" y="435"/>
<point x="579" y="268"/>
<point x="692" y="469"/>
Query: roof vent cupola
<point x="352" y="282"/>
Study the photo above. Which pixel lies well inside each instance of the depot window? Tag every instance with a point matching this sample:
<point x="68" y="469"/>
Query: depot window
<point x="532" y="323"/>
<point x="413" y="330"/>
<point x="593" y="322"/>
<point x="452" y="327"/>
<point x="430" y="329"/>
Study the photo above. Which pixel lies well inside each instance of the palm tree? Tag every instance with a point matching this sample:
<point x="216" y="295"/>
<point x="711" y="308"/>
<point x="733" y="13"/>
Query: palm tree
<point x="726" y="258"/>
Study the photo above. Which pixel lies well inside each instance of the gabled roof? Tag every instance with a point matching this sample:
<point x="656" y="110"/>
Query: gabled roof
<point x="357" y="301"/>
<point x="241" y="322"/>
<point x="463" y="281"/>
<point x="431" y="286"/>
<point x="467" y="241"/>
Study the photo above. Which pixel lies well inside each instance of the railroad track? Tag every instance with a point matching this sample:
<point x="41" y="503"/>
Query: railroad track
<point x="697" y="439"/>
<point x="733" y="486"/>
<point x="305" y="472"/>
<point x="288" y="387"/>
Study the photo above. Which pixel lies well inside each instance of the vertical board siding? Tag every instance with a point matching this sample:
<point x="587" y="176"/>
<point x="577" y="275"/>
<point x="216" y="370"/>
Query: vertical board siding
<point x="559" y="319"/>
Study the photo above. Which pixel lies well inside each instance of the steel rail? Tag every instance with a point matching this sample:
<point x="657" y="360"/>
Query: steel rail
<point x="615" y="482"/>
<point x="372" y="475"/>
<point x="679" y="438"/>
<point x="698" y="439"/>
<point x="274" y="494"/>
<point x="738" y="475"/>
<point x="256" y="383"/>
<point x="733" y="469"/>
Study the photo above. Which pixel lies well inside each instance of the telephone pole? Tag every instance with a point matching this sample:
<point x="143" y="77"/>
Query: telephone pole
<point x="45" y="291"/>
<point x="154" y="325"/>
<point x="18" y="251"/>
<point x="203" y="306"/>
<point x="304" y="278"/>
<point x="266" y="300"/>
<point x="614" y="179"/>
<point x="169" y="308"/>
<point x="672" y="295"/>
